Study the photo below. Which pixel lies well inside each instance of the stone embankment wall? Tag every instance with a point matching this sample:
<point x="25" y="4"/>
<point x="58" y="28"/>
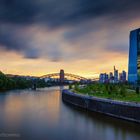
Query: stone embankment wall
<point x="124" y="110"/>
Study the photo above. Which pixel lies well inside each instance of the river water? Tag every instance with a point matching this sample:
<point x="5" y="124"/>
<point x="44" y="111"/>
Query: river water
<point x="42" y="115"/>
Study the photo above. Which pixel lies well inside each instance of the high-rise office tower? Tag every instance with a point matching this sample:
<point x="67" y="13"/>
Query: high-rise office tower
<point x="103" y="78"/>
<point x="134" y="57"/>
<point x="115" y="75"/>
<point x="122" y="76"/>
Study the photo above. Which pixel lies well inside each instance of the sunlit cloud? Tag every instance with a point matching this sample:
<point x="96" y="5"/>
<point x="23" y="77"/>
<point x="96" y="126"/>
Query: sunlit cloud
<point x="83" y="36"/>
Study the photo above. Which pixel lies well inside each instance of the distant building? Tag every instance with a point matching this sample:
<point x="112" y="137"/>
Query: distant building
<point x="48" y="79"/>
<point x="116" y="78"/>
<point x="134" y="57"/>
<point x="110" y="75"/>
<point x="107" y="78"/>
<point x="122" y="77"/>
<point x="115" y="75"/>
<point x="103" y="78"/>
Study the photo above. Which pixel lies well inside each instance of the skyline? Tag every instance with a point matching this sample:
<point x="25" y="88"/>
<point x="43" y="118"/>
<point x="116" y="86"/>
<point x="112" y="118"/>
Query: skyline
<point x="82" y="37"/>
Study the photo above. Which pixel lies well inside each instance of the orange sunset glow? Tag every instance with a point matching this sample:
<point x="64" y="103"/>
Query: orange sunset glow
<point x="86" y="48"/>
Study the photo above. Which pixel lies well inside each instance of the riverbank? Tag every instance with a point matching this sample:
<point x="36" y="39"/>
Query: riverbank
<point x="120" y="109"/>
<point x="120" y="92"/>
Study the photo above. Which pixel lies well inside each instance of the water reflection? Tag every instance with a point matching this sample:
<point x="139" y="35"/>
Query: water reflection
<point x="42" y="115"/>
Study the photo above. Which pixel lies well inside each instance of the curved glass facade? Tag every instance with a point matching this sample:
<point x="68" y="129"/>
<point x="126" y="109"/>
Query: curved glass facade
<point x="134" y="57"/>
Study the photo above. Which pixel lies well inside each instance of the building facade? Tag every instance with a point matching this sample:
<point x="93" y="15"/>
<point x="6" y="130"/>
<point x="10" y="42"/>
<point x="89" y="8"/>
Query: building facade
<point x="134" y="57"/>
<point x="113" y="78"/>
<point x="103" y="78"/>
<point x="115" y="75"/>
<point x="122" y="77"/>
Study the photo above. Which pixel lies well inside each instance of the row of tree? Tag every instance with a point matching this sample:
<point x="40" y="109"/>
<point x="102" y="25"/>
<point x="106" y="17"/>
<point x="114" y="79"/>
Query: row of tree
<point x="8" y="83"/>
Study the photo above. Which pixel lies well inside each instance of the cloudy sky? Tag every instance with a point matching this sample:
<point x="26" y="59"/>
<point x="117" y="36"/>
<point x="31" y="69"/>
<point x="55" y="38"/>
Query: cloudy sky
<point x="84" y="37"/>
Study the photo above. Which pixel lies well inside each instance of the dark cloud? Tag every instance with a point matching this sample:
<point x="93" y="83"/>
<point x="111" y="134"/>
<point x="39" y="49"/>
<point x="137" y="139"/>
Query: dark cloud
<point x="12" y="40"/>
<point x="63" y="12"/>
<point x="54" y="14"/>
<point x="14" y="11"/>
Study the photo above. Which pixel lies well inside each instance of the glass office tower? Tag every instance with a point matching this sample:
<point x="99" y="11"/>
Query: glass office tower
<point x="134" y="57"/>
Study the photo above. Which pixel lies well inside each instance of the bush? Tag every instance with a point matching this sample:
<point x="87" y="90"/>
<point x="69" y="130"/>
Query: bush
<point x="70" y="86"/>
<point x="76" y="87"/>
<point x="137" y="90"/>
<point x="108" y="88"/>
<point x="122" y="91"/>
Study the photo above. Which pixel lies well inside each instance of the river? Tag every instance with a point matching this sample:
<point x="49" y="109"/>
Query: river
<point x="42" y="115"/>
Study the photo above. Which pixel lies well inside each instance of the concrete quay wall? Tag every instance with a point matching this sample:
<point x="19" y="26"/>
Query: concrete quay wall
<point x="120" y="109"/>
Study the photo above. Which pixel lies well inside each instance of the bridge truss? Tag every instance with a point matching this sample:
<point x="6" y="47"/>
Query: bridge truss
<point x="67" y="75"/>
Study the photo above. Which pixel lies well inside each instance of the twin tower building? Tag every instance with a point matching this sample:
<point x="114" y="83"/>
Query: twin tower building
<point x="134" y="57"/>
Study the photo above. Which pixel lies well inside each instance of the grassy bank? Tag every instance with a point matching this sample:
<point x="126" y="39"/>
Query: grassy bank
<point x="110" y="91"/>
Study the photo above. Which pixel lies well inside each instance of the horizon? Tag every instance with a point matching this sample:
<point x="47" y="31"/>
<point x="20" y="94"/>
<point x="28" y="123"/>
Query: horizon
<point x="83" y="37"/>
<point x="86" y="76"/>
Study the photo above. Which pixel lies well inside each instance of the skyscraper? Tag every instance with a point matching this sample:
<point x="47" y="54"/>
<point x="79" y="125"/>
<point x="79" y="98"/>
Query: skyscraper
<point x="115" y="75"/>
<point x="122" y="77"/>
<point x="103" y="78"/>
<point x="134" y="57"/>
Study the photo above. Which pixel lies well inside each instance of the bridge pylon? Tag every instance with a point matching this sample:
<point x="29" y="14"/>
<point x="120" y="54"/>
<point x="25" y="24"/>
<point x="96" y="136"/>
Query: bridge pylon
<point x="62" y="76"/>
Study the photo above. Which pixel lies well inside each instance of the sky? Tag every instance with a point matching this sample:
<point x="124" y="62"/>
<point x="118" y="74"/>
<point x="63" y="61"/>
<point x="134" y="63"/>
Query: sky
<point x="84" y="37"/>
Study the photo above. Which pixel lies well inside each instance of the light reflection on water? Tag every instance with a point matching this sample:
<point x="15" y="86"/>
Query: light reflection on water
<point x="42" y="115"/>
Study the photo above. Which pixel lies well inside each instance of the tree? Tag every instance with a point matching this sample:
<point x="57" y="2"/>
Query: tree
<point x="123" y="90"/>
<point x="76" y="87"/>
<point x="137" y="90"/>
<point x="70" y="86"/>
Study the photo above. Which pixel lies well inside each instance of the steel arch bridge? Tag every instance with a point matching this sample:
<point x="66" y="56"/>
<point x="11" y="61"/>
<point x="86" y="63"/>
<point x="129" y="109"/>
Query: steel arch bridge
<point x="67" y="75"/>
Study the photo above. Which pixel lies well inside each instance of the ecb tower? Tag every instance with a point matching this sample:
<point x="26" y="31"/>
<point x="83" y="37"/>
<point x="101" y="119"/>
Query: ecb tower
<point x="134" y="57"/>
